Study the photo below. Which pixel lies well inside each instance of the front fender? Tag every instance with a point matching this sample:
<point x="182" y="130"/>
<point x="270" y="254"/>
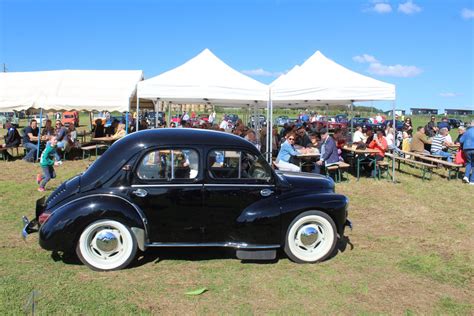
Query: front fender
<point x="335" y="205"/>
<point x="68" y="220"/>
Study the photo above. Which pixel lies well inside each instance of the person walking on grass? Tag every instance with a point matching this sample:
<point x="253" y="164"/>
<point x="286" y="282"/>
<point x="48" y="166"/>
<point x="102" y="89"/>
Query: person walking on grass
<point x="47" y="164"/>
<point x="467" y="143"/>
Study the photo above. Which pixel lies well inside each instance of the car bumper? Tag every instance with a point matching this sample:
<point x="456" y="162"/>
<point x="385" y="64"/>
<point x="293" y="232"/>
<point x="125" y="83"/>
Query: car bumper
<point x="28" y="227"/>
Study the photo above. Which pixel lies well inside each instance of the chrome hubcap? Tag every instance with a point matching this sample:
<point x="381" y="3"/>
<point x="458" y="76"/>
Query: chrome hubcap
<point x="106" y="241"/>
<point x="308" y="235"/>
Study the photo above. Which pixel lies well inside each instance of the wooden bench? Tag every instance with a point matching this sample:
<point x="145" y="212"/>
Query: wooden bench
<point x="425" y="167"/>
<point x="450" y="166"/>
<point x="338" y="169"/>
<point x="382" y="168"/>
<point x="4" y="152"/>
<point x="89" y="148"/>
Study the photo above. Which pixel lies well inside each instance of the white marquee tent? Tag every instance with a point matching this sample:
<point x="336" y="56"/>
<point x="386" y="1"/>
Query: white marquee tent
<point x="321" y="80"/>
<point x="100" y="90"/>
<point x="202" y="79"/>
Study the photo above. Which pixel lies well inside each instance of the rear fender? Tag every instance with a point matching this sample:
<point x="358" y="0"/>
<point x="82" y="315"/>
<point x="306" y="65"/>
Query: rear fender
<point x="335" y="205"/>
<point x="62" y="229"/>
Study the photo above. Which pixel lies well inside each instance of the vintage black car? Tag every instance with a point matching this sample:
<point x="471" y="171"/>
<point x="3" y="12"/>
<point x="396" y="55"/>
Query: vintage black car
<point x="189" y="188"/>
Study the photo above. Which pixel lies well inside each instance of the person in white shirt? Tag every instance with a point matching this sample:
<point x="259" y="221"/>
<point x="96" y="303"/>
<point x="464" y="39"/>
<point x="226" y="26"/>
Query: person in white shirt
<point x="358" y="136"/>
<point x="224" y="125"/>
<point x="379" y="118"/>
<point x="185" y="117"/>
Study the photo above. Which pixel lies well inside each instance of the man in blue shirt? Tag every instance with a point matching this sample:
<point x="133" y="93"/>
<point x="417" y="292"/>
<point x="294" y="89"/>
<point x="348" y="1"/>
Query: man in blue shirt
<point x="467" y="143"/>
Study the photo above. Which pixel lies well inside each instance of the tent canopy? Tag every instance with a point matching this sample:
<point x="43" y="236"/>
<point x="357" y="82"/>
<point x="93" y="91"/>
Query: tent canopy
<point x="204" y="79"/>
<point x="89" y="90"/>
<point x="320" y="80"/>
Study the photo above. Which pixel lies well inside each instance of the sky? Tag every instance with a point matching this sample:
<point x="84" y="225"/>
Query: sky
<point x="425" y="48"/>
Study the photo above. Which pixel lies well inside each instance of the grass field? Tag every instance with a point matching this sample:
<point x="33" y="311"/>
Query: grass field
<point x="412" y="253"/>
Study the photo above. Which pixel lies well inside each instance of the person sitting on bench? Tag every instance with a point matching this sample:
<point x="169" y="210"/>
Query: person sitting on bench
<point x="12" y="139"/>
<point x="329" y="155"/>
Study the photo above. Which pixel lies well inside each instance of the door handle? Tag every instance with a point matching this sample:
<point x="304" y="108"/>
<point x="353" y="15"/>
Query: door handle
<point x="140" y="192"/>
<point x="266" y="192"/>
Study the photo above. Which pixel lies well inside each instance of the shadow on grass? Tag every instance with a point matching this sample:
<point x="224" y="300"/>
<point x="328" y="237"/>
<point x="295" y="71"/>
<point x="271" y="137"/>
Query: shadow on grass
<point x="156" y="255"/>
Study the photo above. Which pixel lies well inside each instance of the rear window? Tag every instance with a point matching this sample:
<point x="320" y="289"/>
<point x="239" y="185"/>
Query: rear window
<point x="169" y="164"/>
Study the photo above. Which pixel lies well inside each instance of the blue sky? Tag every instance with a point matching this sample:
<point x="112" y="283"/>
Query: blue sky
<point x="425" y="47"/>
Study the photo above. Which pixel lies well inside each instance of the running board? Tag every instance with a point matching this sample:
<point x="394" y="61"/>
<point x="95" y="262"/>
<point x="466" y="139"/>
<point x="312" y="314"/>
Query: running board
<point x="223" y="244"/>
<point x="256" y="254"/>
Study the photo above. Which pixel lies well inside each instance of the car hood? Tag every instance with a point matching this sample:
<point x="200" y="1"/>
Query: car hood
<point x="305" y="181"/>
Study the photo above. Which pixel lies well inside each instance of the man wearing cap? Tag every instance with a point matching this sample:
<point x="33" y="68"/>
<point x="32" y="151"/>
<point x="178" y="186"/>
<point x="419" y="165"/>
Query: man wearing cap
<point x="329" y="154"/>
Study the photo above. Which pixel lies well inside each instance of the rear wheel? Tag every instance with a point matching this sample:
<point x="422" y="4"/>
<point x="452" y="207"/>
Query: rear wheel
<point x="106" y="245"/>
<point x="311" y="237"/>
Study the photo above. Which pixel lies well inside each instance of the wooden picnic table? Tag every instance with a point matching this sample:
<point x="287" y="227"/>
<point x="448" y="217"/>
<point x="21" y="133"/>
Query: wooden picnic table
<point x="361" y="155"/>
<point x="438" y="161"/>
<point x="306" y="158"/>
<point x="104" y="140"/>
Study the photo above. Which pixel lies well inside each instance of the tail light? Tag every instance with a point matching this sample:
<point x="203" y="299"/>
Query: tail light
<point x="43" y="217"/>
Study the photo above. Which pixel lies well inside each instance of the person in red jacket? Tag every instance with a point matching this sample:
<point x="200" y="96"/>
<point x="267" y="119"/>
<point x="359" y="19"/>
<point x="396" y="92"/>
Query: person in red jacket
<point x="379" y="143"/>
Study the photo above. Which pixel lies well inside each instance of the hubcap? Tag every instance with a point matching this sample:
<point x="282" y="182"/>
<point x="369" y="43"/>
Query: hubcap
<point x="106" y="241"/>
<point x="308" y="235"/>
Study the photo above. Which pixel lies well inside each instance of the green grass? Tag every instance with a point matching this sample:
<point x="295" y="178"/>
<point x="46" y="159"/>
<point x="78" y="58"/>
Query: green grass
<point x="412" y="254"/>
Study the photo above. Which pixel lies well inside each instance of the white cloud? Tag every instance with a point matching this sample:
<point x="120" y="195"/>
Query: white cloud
<point x="467" y="14"/>
<point x="394" y="70"/>
<point x="261" y="72"/>
<point x="377" y="68"/>
<point x="449" y="94"/>
<point x="365" y="58"/>
<point x="408" y="7"/>
<point x="382" y="7"/>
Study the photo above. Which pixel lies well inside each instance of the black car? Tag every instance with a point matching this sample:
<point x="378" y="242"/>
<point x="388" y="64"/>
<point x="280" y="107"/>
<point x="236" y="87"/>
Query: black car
<point x="189" y="188"/>
<point x="262" y="120"/>
<point x="364" y="122"/>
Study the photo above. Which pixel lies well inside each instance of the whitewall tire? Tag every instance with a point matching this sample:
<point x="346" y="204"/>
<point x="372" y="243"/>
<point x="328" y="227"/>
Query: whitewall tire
<point x="311" y="237"/>
<point x="106" y="245"/>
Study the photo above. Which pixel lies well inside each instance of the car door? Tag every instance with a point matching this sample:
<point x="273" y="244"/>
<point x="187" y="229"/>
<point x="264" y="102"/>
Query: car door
<point x="167" y="185"/>
<point x="240" y="199"/>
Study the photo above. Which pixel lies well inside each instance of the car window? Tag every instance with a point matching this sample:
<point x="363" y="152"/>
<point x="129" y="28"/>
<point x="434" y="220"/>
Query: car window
<point x="230" y="164"/>
<point x="169" y="164"/>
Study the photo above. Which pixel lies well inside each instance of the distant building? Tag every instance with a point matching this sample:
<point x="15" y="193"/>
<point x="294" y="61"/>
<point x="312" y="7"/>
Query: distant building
<point x="458" y="112"/>
<point x="420" y="111"/>
<point x="397" y="113"/>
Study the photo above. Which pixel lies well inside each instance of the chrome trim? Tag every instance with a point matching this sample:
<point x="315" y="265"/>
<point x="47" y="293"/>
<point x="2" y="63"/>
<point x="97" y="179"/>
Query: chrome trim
<point x="140" y="192"/>
<point x="106" y="240"/>
<point x="26" y="223"/>
<point x="139" y="211"/>
<point x="266" y="192"/>
<point x="166" y="185"/>
<point x="216" y="244"/>
<point x="239" y="185"/>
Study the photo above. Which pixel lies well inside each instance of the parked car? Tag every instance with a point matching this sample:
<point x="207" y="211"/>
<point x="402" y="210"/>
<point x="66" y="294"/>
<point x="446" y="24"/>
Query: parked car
<point x="37" y="117"/>
<point x="232" y="118"/>
<point x="398" y="124"/>
<point x="262" y="120"/>
<point x="364" y="122"/>
<point x="189" y="188"/>
<point x="282" y="120"/>
<point x="70" y="117"/>
<point x="455" y="123"/>
<point x="329" y="123"/>
<point x="9" y="116"/>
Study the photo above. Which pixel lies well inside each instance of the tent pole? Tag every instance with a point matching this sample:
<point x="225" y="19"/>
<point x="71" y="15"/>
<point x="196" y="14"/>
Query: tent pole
<point x="39" y="134"/>
<point x="394" y="139"/>
<point x="169" y="113"/>
<point x="126" y="123"/>
<point x="138" y="109"/>
<point x="270" y="129"/>
<point x="352" y="121"/>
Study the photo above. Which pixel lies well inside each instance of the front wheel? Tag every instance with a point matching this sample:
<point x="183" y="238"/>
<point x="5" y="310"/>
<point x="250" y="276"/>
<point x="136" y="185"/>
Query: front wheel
<point x="311" y="237"/>
<point x="106" y="245"/>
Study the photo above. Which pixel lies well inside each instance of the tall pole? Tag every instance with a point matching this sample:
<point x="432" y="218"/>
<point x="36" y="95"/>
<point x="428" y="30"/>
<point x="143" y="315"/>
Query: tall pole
<point x="394" y="139"/>
<point x="39" y="135"/>
<point x="352" y="121"/>
<point x="270" y="129"/>
<point x="138" y="109"/>
<point x="169" y="113"/>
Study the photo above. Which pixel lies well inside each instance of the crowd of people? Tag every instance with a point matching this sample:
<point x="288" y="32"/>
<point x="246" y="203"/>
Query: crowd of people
<point x="304" y="136"/>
